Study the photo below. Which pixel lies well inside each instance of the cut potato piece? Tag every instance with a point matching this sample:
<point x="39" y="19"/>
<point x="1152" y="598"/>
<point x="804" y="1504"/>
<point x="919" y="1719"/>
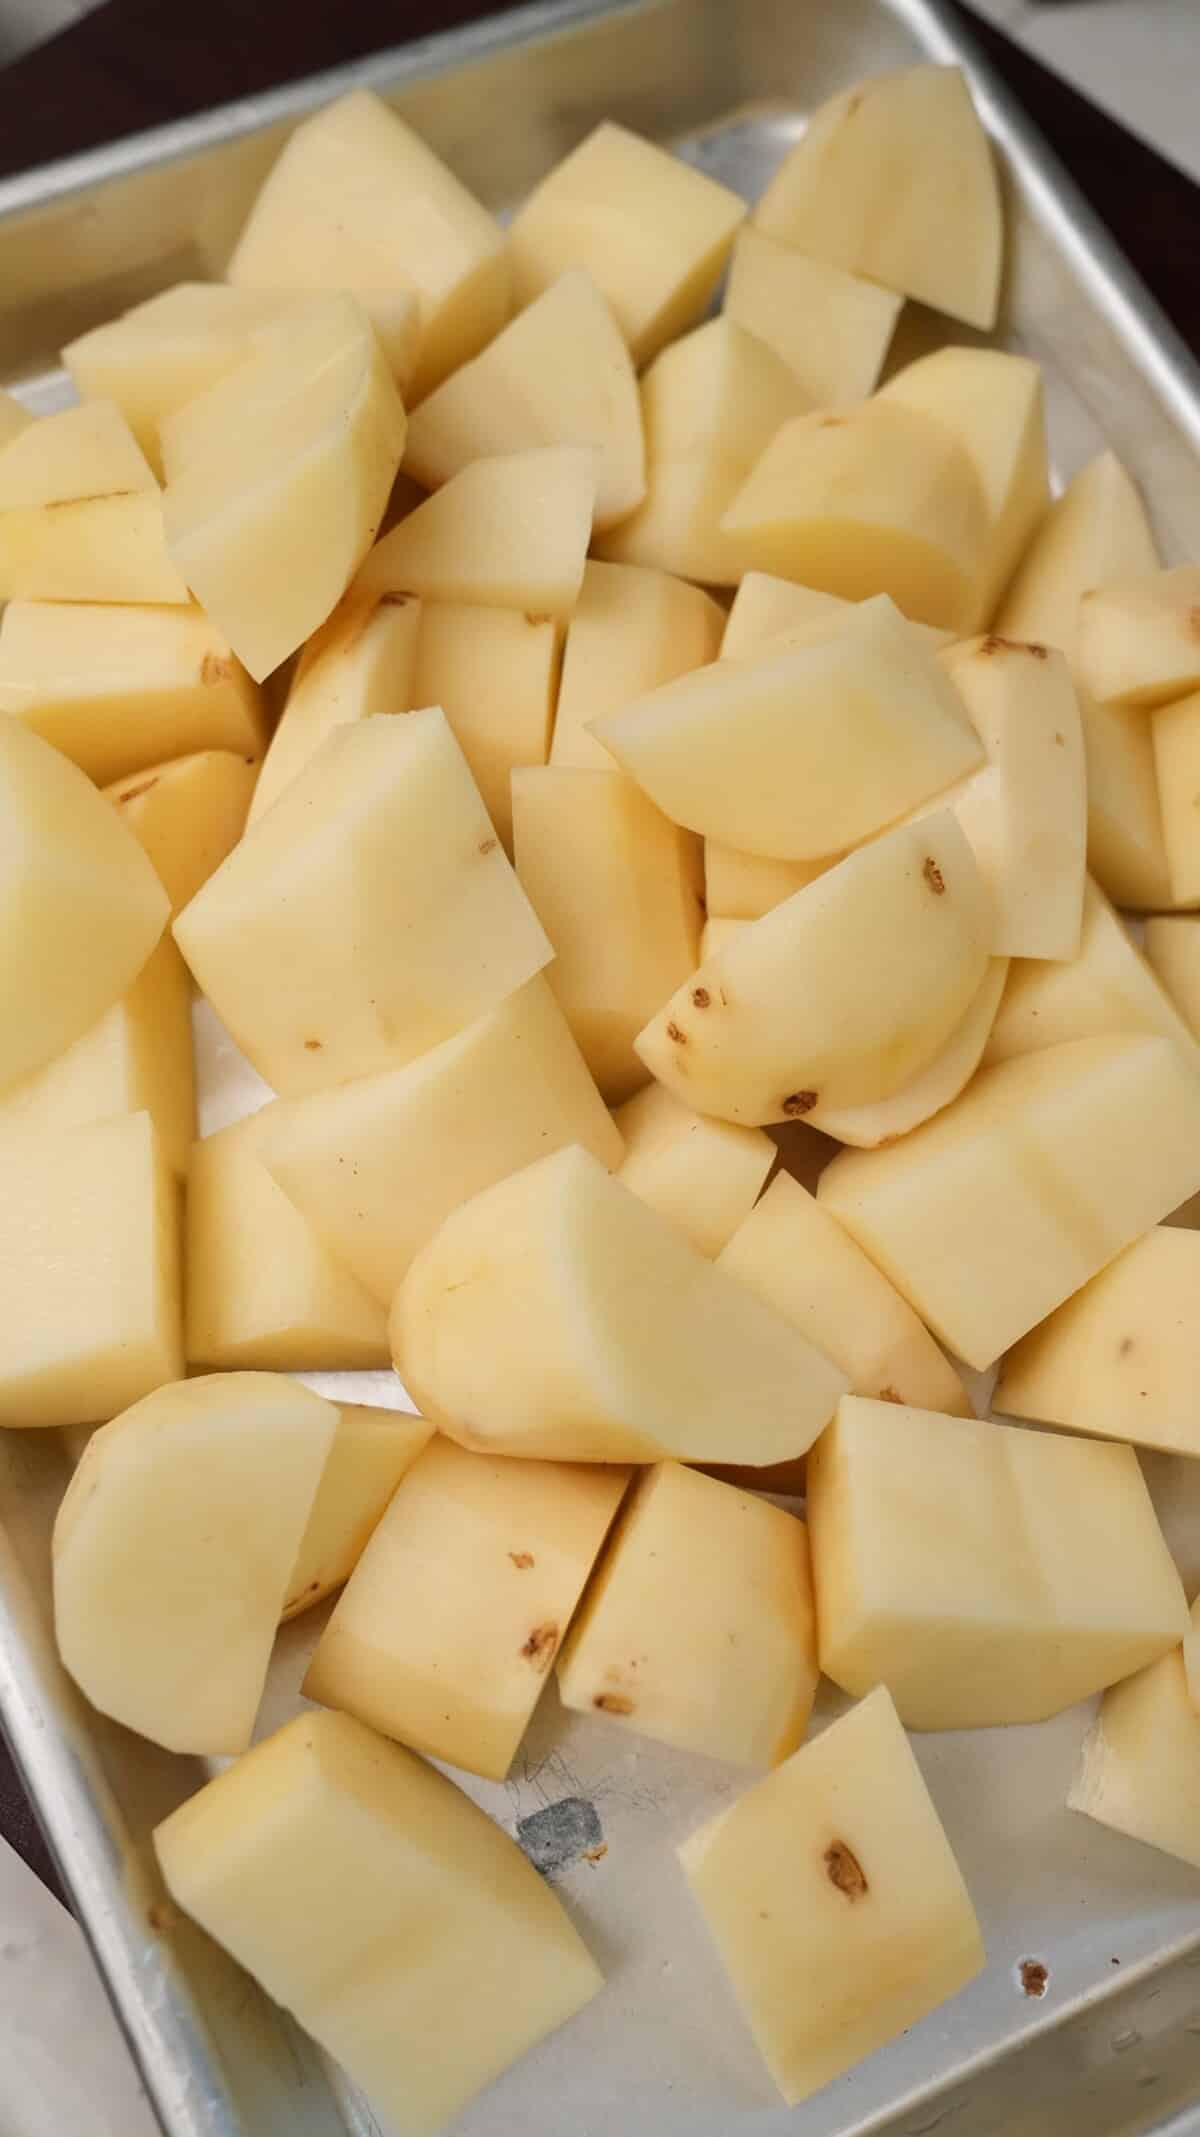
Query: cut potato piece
<point x="1175" y="734"/>
<point x="445" y="1955"/>
<point x="653" y="232"/>
<point x="508" y="532"/>
<point x="261" y="1290"/>
<point x="453" y="1616"/>
<point x="795" y="1257"/>
<point x="699" y="1628"/>
<point x="137" y="1058"/>
<point x="617" y="889"/>
<point x="494" y="672"/>
<point x="1173" y="953"/>
<point x="744" y="886"/>
<point x="559" y="374"/>
<point x="359" y="663"/>
<point x="372" y="1451"/>
<point x="1095" y="533"/>
<point x="1139" y="640"/>
<point x="831" y="328"/>
<point x="799" y="754"/>
<point x="383" y="842"/>
<point x="358" y="201"/>
<point x="829" y="1875"/>
<point x="1140" y="1769"/>
<point x="1050" y="1580"/>
<point x="80" y="905"/>
<point x="90" y="1295"/>
<point x="631" y="630"/>
<point x="839" y="996"/>
<point x="992" y="1214"/>
<point x="172" y="1551"/>
<point x="306" y="435"/>
<point x="375" y="1165"/>
<point x="1126" y="847"/>
<point x="555" y="1315"/>
<point x="1120" y="1358"/>
<point x="702" y="1175"/>
<point x="87" y="452"/>
<point x="716" y="933"/>
<point x="764" y="608"/>
<point x="81" y="515"/>
<point x="187" y="815"/>
<point x="935" y="1087"/>
<point x="1107" y="988"/>
<point x="119" y="688"/>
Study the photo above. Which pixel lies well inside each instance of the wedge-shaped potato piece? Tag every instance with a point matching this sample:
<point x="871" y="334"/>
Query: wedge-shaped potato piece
<point x="840" y="995"/>
<point x="375" y="1165"/>
<point x="1126" y="847"/>
<point x="642" y="1348"/>
<point x="1172" y="947"/>
<point x="653" y="233"/>
<point x="446" y="1956"/>
<point x="765" y="607"/>
<point x="831" y="1874"/>
<point x="1139" y="640"/>
<point x="307" y="435"/>
<point x="1122" y="1357"/>
<point x="1175" y="734"/>
<point x="933" y="1088"/>
<point x="795" y="1257"/>
<point x="1107" y="988"/>
<point x="617" y="889"/>
<point x="494" y="672"/>
<point x="988" y="1217"/>
<point x="559" y="374"/>
<point x="382" y="843"/>
<point x="1139" y="1772"/>
<point x="879" y="499"/>
<point x="137" y="1058"/>
<point x="710" y="405"/>
<point x="457" y="1608"/>
<point x="14" y="416"/>
<point x="1051" y="1577"/>
<point x="362" y="661"/>
<point x="81" y="515"/>
<point x="507" y="532"/>
<point x="358" y="201"/>
<point x="262" y="1292"/>
<point x="702" y="1175"/>
<point x="800" y="754"/>
<point x="371" y="1452"/>
<point x="631" y="630"/>
<point x="90" y="1293"/>
<point x="894" y="180"/>
<point x="187" y="815"/>
<point x="172" y="1551"/>
<point x="80" y="905"/>
<point x="79" y="452"/>
<point x="744" y="886"/>
<point x="831" y="328"/>
<point x="1094" y="534"/>
<point x="698" y="1628"/>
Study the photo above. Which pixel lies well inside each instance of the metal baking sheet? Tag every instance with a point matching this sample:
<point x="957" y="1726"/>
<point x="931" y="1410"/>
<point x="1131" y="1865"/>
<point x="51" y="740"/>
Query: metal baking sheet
<point x="1114" y="2045"/>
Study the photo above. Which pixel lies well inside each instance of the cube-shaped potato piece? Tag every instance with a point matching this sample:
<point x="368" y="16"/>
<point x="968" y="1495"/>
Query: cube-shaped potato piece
<point x="81" y="515"/>
<point x="1139" y="640"/>
<point x="831" y="328"/>
<point x="1108" y="987"/>
<point x="1050" y="1578"/>
<point x="371" y="1451"/>
<point x="187" y="815"/>
<point x="703" y="1175"/>
<point x="1175" y="733"/>
<point x="834" y="1900"/>
<point x="1095" y="533"/>
<point x="630" y="630"/>
<point x="933" y="1088"/>
<point x="1172" y="947"/>
<point x="451" y="1620"/>
<point x="445" y="1955"/>
<point x="509" y="531"/>
<point x="699" y="1626"/>
<point x="494" y="672"/>
<point x="653" y="232"/>
<point x="744" y="886"/>
<point x="1140" y="1769"/>
<point x="90" y="1296"/>
<point x="359" y="663"/>
<point x="383" y="843"/>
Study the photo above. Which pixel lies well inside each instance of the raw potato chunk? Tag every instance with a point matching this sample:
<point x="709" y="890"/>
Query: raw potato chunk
<point x="1175" y="733"/>
<point x="555" y="1315"/>
<point x="1095" y="533"/>
<point x="81" y="516"/>
<point x="372" y="1450"/>
<point x="80" y="905"/>
<point x="1050" y="1578"/>
<point x="1139" y="640"/>
<point x="559" y="374"/>
<point x="617" y="889"/>
<point x="710" y="405"/>
<point x="840" y="995"/>
<point x="172" y="1551"/>
<point x="119" y="688"/>
<point x="381" y="842"/>
<point x="630" y="631"/>
<point x="831" y="328"/>
<point x="358" y="201"/>
<point x="508" y="532"/>
<point x="1172" y="949"/>
<point x="451" y="1620"/>
<point x="702" y="1175"/>
<point x="1140" y="1769"/>
<point x="799" y="754"/>
<point x="1126" y="848"/>
<point x="494" y="672"/>
<point x="834" y="1900"/>
<point x="187" y="815"/>
<point x="90" y="1292"/>
<point x="375" y="1165"/>
<point x="444" y="1957"/>
<point x="1107" y="988"/>
<point x="137" y="1058"/>
<point x="262" y="1292"/>
<point x="764" y="608"/>
<point x="988" y="1217"/>
<point x="76" y="453"/>
<point x="277" y="480"/>
<point x="1122" y="1357"/>
<point x="744" y="886"/>
<point x="359" y="663"/>
<point x="653" y="233"/>
<point x="936" y="1086"/>
<point x="795" y="1257"/>
<point x="698" y="1628"/>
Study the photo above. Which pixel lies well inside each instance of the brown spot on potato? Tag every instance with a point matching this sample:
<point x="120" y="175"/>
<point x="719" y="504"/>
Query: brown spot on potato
<point x="95" y="497"/>
<point x="216" y="668"/>
<point x="539" y="1647"/>
<point x="890" y="1394"/>
<point x="488" y="845"/>
<point x="134" y="793"/>
<point x="161" y="1916"/>
<point x="1035" y="1975"/>
<point x="798" y="1103"/>
<point x="1060" y="741"/>
<point x="597" y="1853"/>
<point x="700" y="998"/>
<point x="613" y="1703"/>
<point x="535" y="622"/>
<point x="522" y="1560"/>
<point x="933" y="876"/>
<point x="831" y="422"/>
<point x="844" y="1870"/>
<point x="313" y="1046"/>
<point x="394" y="600"/>
<point x="1124" y="1346"/>
<point x="673" y="1032"/>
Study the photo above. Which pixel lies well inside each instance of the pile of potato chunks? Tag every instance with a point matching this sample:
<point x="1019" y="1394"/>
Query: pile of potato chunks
<point x="585" y="748"/>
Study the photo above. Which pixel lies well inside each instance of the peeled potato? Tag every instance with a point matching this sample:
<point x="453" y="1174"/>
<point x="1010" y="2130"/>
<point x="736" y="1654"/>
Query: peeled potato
<point x="187" y="815"/>
<point x="831" y="328"/>
<point x="508" y="532"/>
<point x="630" y="630"/>
<point x="360" y="662"/>
<point x="936" y="1086"/>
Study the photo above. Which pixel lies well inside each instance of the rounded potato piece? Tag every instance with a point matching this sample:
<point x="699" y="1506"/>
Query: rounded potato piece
<point x="939" y="1083"/>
